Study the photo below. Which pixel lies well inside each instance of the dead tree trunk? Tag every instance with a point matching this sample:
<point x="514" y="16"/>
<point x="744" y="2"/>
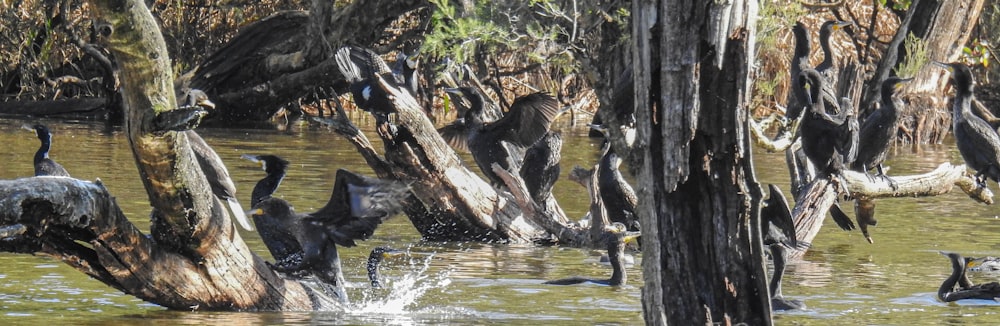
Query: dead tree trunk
<point x="281" y="58"/>
<point x="195" y="259"/>
<point x="702" y="252"/>
<point x="450" y="202"/>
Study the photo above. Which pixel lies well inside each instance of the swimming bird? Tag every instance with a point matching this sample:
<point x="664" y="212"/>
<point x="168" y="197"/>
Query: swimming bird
<point x="978" y="143"/>
<point x="528" y="120"/>
<point x="43" y="164"/>
<point x="615" y="237"/>
<point x="375" y="258"/>
<point x="949" y="293"/>
<point x="357" y="206"/>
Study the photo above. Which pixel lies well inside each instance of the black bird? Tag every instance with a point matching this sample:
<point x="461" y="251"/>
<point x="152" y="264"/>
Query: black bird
<point x="375" y="258"/>
<point x="405" y="73"/>
<point x="615" y="237"/>
<point x="825" y="32"/>
<point x="966" y="290"/>
<point x="620" y="200"/>
<point x="978" y="143"/>
<point x="540" y="168"/>
<point x="361" y="67"/>
<point x="527" y="121"/>
<point x="43" y="164"/>
<point x="777" y="217"/>
<point x="825" y="137"/>
<point x="800" y="61"/>
<point x="357" y="206"/>
<point x="879" y="130"/>
<point x="281" y="243"/>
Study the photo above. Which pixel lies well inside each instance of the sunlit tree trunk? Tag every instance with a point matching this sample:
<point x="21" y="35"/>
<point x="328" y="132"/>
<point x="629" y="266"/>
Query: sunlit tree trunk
<point x="702" y="255"/>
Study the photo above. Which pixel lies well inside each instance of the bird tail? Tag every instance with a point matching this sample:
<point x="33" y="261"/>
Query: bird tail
<point x="239" y="214"/>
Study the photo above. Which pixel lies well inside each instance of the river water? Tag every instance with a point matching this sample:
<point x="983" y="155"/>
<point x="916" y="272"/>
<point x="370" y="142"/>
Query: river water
<point x="843" y="279"/>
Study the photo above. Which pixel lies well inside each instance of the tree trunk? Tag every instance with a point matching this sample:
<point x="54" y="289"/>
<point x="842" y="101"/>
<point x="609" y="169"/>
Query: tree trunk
<point x="195" y="259"/>
<point x="702" y="252"/>
<point x="276" y="60"/>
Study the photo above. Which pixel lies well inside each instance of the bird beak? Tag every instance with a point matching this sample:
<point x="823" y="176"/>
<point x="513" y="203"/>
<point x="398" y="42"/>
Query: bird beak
<point x="453" y="90"/>
<point x="206" y="103"/>
<point x="841" y="24"/>
<point x="253" y="158"/>
<point x="255" y="212"/>
<point x="28" y="128"/>
<point x="632" y="238"/>
<point x="944" y="65"/>
<point x="392" y="253"/>
<point x="901" y="82"/>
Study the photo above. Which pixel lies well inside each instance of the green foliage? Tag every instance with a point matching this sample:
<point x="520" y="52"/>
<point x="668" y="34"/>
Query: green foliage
<point x="916" y="57"/>
<point x="461" y="37"/>
<point x="897" y="4"/>
<point x="775" y="18"/>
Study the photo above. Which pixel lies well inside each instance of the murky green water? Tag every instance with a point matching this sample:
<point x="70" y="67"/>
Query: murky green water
<point x="843" y="279"/>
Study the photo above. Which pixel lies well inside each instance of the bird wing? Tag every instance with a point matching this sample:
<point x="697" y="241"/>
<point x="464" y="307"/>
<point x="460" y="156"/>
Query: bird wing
<point x="359" y="64"/>
<point x="780" y="215"/>
<point x="357" y="206"/>
<point x="456" y="135"/>
<point x="529" y="118"/>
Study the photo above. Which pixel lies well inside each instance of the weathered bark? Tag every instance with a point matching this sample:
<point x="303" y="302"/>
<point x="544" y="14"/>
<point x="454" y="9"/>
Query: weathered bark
<point x="702" y="252"/>
<point x="451" y="202"/>
<point x="811" y="207"/>
<point x="195" y="259"/>
<point x="279" y="59"/>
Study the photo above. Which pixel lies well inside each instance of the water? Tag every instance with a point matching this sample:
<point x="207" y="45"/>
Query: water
<point x="842" y="280"/>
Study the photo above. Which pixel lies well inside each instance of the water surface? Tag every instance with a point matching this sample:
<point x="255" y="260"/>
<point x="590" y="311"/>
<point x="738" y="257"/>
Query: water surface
<point x="843" y="279"/>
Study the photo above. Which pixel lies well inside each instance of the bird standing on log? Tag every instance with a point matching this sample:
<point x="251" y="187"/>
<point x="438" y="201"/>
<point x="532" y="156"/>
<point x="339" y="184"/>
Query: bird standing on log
<point x="43" y="164"/>
<point x="978" y="143"/>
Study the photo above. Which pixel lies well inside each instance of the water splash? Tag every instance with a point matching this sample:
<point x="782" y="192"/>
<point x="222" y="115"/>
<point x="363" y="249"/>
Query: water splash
<point x="397" y="296"/>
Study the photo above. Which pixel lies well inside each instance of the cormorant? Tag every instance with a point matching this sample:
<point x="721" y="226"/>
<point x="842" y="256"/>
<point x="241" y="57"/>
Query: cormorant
<point x="527" y="121"/>
<point x="825" y="32"/>
<point x="43" y="164"/>
<point x="615" y="237"/>
<point x="540" y="168"/>
<point x="800" y="61"/>
<point x="375" y="258"/>
<point x="194" y="100"/>
<point x="357" y="206"/>
<point x="825" y="137"/>
<point x="405" y="73"/>
<point x="360" y="67"/>
<point x="620" y="200"/>
<point x="282" y="245"/>
<point x="879" y="130"/>
<point x="948" y="293"/>
<point x="978" y="143"/>
<point x="777" y="217"/>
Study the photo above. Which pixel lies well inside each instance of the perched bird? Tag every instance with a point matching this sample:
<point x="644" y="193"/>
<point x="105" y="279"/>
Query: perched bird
<point x="375" y="258"/>
<point x="777" y="217"/>
<point x="800" y="61"/>
<point x="361" y="67"/>
<point x="357" y="206"/>
<point x="615" y="237"/>
<point x="528" y="120"/>
<point x="978" y="143"/>
<point x="879" y="131"/>
<point x="825" y="32"/>
<point x="825" y="138"/>
<point x="540" y="167"/>
<point x="405" y="73"/>
<point x="966" y="290"/>
<point x="43" y="164"/>
<point x="620" y="200"/>
<point x="194" y="100"/>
